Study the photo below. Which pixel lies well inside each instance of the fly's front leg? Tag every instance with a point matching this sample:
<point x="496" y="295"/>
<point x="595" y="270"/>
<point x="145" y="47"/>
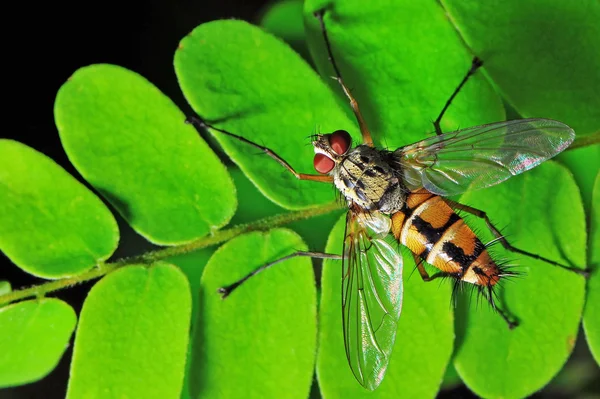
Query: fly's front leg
<point x="499" y="237"/>
<point x="227" y="290"/>
<point x="200" y="123"/>
<point x="364" y="130"/>
<point x="475" y="65"/>
<point x="424" y="275"/>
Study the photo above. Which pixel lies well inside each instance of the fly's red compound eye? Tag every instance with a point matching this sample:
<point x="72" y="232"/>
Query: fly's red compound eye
<point x="340" y="141"/>
<point x="323" y="164"/>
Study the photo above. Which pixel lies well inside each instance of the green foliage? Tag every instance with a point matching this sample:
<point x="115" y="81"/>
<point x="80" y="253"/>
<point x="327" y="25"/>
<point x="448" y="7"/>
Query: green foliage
<point x="402" y="61"/>
<point x="284" y="20"/>
<point x="52" y="225"/>
<point x="261" y="88"/>
<point x="533" y="53"/>
<point x="591" y="317"/>
<point x="33" y="337"/>
<point x="584" y="163"/>
<point x="129" y="141"/>
<point x="262" y="338"/>
<point x="423" y="343"/>
<point x="543" y="214"/>
<point x="253" y="206"/>
<point x="132" y="335"/>
<point x="192" y="265"/>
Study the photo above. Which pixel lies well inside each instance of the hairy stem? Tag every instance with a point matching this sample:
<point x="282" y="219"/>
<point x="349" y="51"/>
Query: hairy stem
<point x="585" y="141"/>
<point x="160" y="254"/>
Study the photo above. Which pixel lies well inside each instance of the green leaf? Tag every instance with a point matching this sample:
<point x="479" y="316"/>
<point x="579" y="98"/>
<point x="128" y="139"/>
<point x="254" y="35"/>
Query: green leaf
<point x="402" y="59"/>
<point x="192" y="265"/>
<point x="132" y="335"/>
<point x="284" y="19"/>
<point x="541" y="54"/>
<point x="5" y="287"/>
<point x="131" y="143"/>
<point x="260" y="341"/>
<point x="584" y="162"/>
<point x="424" y="340"/>
<point x="33" y="338"/>
<point x="51" y="225"/>
<point x="250" y="83"/>
<point x="543" y="214"/>
<point x="591" y="317"/>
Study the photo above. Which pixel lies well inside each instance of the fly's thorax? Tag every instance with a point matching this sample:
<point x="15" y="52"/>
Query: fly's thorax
<point x="366" y="178"/>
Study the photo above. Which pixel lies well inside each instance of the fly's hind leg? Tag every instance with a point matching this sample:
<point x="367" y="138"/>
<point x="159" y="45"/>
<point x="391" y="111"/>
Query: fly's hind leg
<point x="499" y="237"/>
<point x="201" y="123"/>
<point x="475" y="65"/>
<point x="364" y="130"/>
<point x="227" y="290"/>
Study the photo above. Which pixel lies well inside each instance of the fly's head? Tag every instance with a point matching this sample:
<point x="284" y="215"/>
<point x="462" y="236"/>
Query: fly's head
<point x="330" y="150"/>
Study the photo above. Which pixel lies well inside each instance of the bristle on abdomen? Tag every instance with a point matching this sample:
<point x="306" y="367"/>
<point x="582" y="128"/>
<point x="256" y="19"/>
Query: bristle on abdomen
<point x="429" y="227"/>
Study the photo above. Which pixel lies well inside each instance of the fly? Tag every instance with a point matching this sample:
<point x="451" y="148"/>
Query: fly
<point x="400" y="194"/>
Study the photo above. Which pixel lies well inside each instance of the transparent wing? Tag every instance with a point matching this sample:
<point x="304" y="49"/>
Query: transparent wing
<point x="481" y="156"/>
<point x="371" y="296"/>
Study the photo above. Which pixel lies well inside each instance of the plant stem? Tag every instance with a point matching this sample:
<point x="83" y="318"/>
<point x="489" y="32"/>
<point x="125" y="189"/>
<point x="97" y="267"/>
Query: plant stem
<point x="154" y="256"/>
<point x="585" y="141"/>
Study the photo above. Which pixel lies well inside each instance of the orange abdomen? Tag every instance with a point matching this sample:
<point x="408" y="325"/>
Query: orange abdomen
<point x="431" y="229"/>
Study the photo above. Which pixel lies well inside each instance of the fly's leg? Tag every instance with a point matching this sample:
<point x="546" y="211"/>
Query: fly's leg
<point x="424" y="275"/>
<point x="489" y="295"/>
<point x="499" y="237"/>
<point x="475" y="65"/>
<point x="200" y="123"/>
<point x="364" y="130"/>
<point x="227" y="290"/>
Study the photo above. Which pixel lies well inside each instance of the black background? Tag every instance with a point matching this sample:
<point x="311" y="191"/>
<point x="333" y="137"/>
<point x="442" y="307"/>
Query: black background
<point x="45" y="43"/>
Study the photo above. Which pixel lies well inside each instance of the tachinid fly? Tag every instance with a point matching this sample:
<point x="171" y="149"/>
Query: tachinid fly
<point x="401" y="193"/>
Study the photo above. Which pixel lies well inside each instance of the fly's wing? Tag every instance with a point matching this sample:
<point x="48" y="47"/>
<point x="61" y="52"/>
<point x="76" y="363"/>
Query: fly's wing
<point x="481" y="156"/>
<point x="371" y="298"/>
